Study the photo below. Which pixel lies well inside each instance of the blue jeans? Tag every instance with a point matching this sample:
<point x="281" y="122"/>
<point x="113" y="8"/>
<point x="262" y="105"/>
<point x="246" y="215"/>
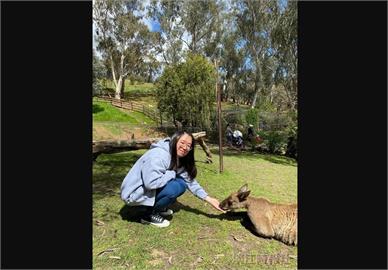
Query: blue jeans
<point x="168" y="194"/>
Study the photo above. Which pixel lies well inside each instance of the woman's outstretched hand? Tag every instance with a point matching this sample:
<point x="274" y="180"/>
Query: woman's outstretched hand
<point x="215" y="203"/>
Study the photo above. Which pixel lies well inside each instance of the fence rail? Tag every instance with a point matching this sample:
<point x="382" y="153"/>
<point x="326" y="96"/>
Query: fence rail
<point x="154" y="114"/>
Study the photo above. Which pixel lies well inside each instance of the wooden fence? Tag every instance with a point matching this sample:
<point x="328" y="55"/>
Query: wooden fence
<point x="154" y="114"/>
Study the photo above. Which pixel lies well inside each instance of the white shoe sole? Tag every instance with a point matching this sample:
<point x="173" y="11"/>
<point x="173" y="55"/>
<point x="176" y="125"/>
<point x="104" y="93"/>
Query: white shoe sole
<point x="166" y="223"/>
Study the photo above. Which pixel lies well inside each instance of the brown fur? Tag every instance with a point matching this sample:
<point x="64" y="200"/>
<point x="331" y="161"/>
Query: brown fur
<point x="269" y="219"/>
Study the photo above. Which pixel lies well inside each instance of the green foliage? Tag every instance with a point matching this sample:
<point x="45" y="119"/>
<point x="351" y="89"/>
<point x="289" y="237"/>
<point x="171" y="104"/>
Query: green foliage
<point x="279" y="132"/>
<point x="275" y="141"/>
<point x="252" y="118"/>
<point x="292" y="149"/>
<point x="185" y="91"/>
<point x="235" y="118"/>
<point x="99" y="73"/>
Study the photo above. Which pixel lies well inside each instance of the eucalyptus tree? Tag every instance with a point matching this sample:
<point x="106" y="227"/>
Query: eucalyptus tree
<point x="123" y="39"/>
<point x="99" y="73"/>
<point x="284" y="38"/>
<point x="169" y="38"/>
<point x="187" y="26"/>
<point x="255" y="23"/>
<point x="202" y="20"/>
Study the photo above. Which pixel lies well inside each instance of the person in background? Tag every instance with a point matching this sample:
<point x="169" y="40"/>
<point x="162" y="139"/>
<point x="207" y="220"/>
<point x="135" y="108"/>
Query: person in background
<point x="161" y="175"/>
<point x="251" y="136"/>
<point x="251" y="133"/>
<point x="229" y="134"/>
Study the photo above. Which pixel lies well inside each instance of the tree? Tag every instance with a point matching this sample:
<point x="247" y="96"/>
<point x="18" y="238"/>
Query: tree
<point x="187" y="26"/>
<point x="169" y="39"/>
<point x="99" y="73"/>
<point x="201" y="20"/>
<point x="254" y="21"/>
<point x="122" y="38"/>
<point x="284" y="38"/>
<point x="185" y="91"/>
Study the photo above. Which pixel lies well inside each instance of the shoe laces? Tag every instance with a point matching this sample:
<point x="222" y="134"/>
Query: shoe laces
<point x="157" y="218"/>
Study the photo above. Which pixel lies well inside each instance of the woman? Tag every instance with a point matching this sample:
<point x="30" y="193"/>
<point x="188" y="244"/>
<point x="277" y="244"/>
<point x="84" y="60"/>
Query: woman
<point x="229" y="134"/>
<point x="161" y="175"/>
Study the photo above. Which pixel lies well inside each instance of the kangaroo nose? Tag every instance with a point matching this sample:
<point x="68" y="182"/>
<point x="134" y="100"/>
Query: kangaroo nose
<point x="222" y="206"/>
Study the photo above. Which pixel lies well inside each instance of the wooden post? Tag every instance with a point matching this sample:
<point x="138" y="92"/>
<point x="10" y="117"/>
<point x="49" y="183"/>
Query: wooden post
<point x="218" y="93"/>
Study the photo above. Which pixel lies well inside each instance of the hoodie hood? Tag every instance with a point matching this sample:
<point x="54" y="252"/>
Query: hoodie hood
<point x="163" y="144"/>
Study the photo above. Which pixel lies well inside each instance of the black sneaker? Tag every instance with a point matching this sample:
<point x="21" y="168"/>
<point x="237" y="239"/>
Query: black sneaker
<point x="156" y="220"/>
<point x="166" y="212"/>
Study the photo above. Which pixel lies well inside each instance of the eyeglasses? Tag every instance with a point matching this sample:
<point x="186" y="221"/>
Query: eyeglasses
<point x="187" y="146"/>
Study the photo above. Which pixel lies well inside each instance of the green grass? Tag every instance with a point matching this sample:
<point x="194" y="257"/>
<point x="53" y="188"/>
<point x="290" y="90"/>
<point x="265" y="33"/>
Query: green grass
<point x="104" y="111"/>
<point x="110" y="122"/>
<point x="199" y="237"/>
<point x="229" y="106"/>
<point x="144" y="87"/>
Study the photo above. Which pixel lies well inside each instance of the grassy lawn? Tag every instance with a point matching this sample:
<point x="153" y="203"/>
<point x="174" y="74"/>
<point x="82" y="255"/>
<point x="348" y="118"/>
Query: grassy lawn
<point x="104" y="111"/>
<point x="110" y="122"/>
<point x="199" y="237"/>
<point x="135" y="91"/>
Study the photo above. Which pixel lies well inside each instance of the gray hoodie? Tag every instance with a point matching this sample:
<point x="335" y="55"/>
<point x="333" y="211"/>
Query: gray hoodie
<point x="150" y="172"/>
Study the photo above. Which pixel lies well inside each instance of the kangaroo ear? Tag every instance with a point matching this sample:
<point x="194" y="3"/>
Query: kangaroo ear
<point x="244" y="188"/>
<point x="243" y="195"/>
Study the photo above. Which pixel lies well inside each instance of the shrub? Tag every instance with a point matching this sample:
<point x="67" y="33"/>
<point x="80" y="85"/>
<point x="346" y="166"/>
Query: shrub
<point x="275" y="141"/>
<point x="252" y="117"/>
<point x="186" y="91"/>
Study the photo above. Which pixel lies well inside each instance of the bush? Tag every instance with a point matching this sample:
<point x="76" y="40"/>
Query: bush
<point x="274" y="141"/>
<point x="186" y="91"/>
<point x="235" y="119"/>
<point x="292" y="150"/>
<point x="252" y="118"/>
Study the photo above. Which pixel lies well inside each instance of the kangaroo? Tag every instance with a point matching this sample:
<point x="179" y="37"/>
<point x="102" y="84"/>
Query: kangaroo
<point x="269" y="219"/>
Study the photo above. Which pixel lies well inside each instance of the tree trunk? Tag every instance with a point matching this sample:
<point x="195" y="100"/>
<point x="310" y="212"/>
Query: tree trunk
<point x="119" y="85"/>
<point x="255" y="96"/>
<point x="122" y="88"/>
<point x="206" y="149"/>
<point x="109" y="147"/>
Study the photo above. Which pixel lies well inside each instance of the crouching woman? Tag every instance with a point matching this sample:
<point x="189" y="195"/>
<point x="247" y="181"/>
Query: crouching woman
<point x="161" y="175"/>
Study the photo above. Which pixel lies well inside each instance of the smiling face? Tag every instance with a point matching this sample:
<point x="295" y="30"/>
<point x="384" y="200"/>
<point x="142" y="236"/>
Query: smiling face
<point x="184" y="145"/>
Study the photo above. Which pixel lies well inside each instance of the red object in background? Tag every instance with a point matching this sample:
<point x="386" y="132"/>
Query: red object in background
<point x="258" y="139"/>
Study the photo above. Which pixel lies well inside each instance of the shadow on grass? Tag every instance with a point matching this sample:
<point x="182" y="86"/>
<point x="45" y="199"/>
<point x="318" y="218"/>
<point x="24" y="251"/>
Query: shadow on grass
<point x="253" y="155"/>
<point x="177" y="206"/>
<point x="109" y="172"/>
<point x="134" y="213"/>
<point x="97" y="108"/>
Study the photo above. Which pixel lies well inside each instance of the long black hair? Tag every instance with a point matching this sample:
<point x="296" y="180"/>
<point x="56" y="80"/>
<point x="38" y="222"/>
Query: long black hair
<point x="187" y="161"/>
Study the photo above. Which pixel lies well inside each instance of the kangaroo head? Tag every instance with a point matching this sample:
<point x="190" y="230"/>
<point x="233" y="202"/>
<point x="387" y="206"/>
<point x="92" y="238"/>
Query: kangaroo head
<point x="236" y="199"/>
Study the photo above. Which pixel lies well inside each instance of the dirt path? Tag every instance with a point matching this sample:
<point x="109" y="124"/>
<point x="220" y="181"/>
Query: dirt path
<point x="106" y="132"/>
